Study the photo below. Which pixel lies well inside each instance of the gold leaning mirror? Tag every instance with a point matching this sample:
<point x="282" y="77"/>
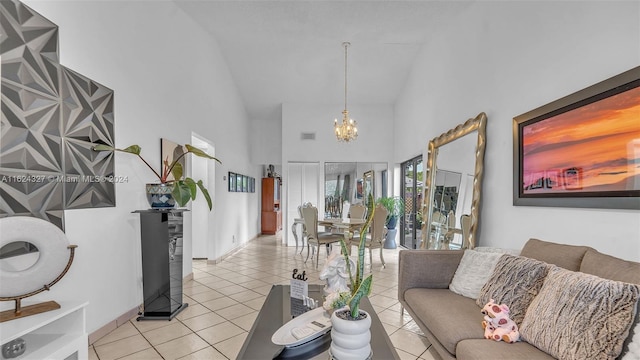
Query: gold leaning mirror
<point x="453" y="183"/>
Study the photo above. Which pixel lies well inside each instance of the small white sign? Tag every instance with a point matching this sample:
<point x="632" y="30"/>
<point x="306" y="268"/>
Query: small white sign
<point x="299" y="286"/>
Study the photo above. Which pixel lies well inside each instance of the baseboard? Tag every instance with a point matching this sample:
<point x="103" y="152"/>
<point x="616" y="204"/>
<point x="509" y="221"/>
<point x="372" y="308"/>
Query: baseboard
<point x="230" y="252"/>
<point x="112" y="325"/>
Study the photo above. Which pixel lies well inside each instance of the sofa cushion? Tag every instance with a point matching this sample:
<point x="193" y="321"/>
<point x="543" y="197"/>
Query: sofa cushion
<point x="609" y="267"/>
<point x="566" y="256"/>
<point x="473" y="272"/>
<point x="449" y="316"/>
<point x="515" y="281"/>
<point x="474" y="349"/>
<point x="580" y="316"/>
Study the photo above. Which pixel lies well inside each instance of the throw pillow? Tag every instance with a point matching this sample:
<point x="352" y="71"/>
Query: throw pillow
<point x="580" y="316"/>
<point x="515" y="281"/>
<point x="473" y="272"/>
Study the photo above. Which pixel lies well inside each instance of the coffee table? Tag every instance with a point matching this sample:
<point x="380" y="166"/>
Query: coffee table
<point x="277" y="310"/>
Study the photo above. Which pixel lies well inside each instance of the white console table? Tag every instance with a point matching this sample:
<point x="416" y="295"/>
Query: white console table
<point x="57" y="334"/>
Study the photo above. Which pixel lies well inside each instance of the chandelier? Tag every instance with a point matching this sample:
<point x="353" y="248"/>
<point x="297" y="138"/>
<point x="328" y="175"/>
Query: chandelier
<point x="348" y="129"/>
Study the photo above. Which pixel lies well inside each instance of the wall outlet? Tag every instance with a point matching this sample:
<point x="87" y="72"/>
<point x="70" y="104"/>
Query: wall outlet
<point x="233" y="238"/>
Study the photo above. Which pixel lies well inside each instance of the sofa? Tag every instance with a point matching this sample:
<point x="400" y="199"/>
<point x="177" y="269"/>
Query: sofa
<point x="452" y="322"/>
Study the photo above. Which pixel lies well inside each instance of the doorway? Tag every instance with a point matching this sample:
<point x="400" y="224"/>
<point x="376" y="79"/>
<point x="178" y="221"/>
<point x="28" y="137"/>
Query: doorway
<point x="201" y="218"/>
<point x="411" y="185"/>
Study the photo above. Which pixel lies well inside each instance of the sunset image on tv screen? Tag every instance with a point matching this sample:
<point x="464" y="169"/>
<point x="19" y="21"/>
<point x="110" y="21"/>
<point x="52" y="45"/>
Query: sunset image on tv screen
<point x="593" y="148"/>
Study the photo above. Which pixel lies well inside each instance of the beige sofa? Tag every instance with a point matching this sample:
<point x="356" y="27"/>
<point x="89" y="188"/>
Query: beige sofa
<point x="451" y="322"/>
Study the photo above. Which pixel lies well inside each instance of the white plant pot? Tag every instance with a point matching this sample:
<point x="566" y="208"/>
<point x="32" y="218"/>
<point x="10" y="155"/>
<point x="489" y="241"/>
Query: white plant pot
<point x="350" y="339"/>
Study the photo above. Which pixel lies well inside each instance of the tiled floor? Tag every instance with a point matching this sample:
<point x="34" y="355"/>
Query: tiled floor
<point x="224" y="300"/>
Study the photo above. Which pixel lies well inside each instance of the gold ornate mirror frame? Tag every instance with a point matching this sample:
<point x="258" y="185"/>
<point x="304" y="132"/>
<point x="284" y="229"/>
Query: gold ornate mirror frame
<point x="479" y="124"/>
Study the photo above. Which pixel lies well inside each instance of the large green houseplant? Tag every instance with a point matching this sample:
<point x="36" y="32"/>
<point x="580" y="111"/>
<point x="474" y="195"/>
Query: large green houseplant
<point x="395" y="207"/>
<point x="183" y="189"/>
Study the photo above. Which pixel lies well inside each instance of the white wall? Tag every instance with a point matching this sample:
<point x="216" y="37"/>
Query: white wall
<point x="505" y="58"/>
<point x="169" y="79"/>
<point x="374" y="143"/>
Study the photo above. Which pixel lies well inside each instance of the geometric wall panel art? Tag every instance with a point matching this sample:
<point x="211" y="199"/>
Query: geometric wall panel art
<point x="51" y="117"/>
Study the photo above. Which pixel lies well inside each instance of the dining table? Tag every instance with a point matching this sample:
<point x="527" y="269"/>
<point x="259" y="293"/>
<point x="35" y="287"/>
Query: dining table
<point x="343" y="225"/>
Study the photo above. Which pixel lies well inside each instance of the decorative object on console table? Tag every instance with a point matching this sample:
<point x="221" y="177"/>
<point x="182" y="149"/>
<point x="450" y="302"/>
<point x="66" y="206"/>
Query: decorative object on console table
<point x="34" y="255"/>
<point x="161" y="235"/>
<point x="350" y="333"/>
<point x="271" y="218"/>
<point x="183" y="189"/>
<point x="581" y="150"/>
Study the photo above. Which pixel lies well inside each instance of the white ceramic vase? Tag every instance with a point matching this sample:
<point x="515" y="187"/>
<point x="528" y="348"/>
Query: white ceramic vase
<point x="350" y="339"/>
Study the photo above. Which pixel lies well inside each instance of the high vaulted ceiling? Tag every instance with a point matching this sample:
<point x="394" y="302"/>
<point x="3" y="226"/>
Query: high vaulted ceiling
<point x="291" y="51"/>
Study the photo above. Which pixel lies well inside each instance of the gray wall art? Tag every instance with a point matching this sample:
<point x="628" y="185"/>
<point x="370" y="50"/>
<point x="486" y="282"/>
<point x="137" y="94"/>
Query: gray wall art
<point x="51" y="118"/>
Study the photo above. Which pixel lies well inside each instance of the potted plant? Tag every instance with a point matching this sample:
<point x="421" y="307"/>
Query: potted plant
<point x="395" y="207"/>
<point x="167" y="192"/>
<point x="350" y="335"/>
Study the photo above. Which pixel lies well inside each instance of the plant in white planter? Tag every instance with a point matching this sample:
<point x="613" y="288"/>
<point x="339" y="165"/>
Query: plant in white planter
<point x="350" y="335"/>
<point x="181" y="189"/>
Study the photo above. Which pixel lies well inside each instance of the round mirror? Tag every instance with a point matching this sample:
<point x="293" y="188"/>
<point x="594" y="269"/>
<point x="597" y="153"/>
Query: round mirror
<point x="18" y="256"/>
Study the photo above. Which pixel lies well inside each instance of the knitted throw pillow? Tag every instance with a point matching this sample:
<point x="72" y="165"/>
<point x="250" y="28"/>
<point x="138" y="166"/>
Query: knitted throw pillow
<point x="515" y="281"/>
<point x="580" y="316"/>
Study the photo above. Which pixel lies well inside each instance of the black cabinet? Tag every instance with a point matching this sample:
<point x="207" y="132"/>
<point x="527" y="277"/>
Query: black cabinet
<point x="161" y="232"/>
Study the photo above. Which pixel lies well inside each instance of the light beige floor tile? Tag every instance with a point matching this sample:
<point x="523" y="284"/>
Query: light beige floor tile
<point x="233" y="289"/>
<point x="231" y="347"/>
<point x="394" y="318"/>
<point x="190" y="291"/>
<point x="427" y="355"/>
<point x="124" y="331"/>
<point x="208" y="353"/>
<point x="257" y="303"/>
<point x="191" y="311"/>
<point x="405" y="355"/>
<point x="246" y="321"/>
<point x="92" y="354"/>
<point x="410" y="342"/>
<point x="413" y="327"/>
<point x="120" y="348"/>
<point x="390" y="329"/>
<point x="245" y="296"/>
<point x="234" y="311"/>
<point x="216" y="283"/>
<point x="166" y="333"/>
<point x="206" y="296"/>
<point x="220" y="303"/>
<point x="220" y="332"/>
<point x="264" y="290"/>
<point x="147" y="325"/>
<point x="203" y="321"/>
<point x="148" y="354"/>
<point x="383" y="301"/>
<point x="180" y="347"/>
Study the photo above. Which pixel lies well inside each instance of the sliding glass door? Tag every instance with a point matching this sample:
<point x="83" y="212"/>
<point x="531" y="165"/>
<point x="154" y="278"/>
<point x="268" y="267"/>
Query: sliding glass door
<point x="411" y="222"/>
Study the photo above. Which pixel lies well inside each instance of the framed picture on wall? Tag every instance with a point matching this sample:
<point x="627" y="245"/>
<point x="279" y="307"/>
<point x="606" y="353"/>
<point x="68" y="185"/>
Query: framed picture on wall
<point x="232" y="181"/>
<point x="238" y="183"/>
<point x="245" y="183"/>
<point x="169" y="151"/>
<point x="582" y="150"/>
<point x="252" y="184"/>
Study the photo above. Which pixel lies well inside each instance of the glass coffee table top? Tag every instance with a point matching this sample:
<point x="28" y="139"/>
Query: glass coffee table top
<point x="279" y="308"/>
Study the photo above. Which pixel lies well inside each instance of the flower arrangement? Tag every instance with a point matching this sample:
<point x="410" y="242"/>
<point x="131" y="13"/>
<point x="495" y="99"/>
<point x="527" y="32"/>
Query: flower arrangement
<point x="184" y="188"/>
<point x="360" y="285"/>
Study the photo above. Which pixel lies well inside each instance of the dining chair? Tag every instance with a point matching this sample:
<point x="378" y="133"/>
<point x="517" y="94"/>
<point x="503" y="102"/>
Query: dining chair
<point x="376" y="237"/>
<point x="315" y="238"/>
<point x="357" y="211"/>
